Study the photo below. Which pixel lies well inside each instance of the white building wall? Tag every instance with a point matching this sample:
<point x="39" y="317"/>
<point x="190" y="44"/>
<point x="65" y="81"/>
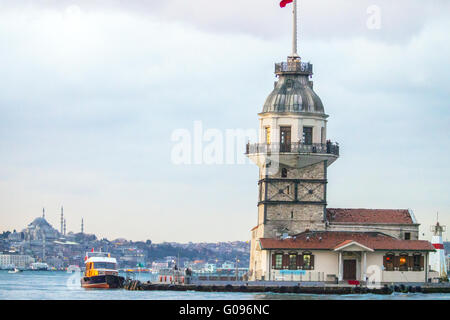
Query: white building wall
<point x="326" y="263"/>
<point x="296" y="122"/>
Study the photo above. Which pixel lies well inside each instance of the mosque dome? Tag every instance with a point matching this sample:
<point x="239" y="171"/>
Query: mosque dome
<point x="40" y="228"/>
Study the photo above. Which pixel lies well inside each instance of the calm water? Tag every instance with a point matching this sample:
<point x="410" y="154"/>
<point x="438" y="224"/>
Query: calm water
<point x="61" y="286"/>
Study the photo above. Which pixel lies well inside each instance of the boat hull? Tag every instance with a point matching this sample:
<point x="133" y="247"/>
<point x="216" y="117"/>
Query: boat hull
<point x="103" y="282"/>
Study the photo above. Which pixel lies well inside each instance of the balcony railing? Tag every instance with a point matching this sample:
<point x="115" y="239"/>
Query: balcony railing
<point x="327" y="148"/>
<point x="294" y="66"/>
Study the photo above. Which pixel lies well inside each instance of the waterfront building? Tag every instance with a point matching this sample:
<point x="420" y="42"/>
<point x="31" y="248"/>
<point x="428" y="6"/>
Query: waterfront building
<point x="12" y="260"/>
<point x="297" y="236"/>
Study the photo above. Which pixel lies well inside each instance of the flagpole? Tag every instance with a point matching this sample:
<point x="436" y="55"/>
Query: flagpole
<point x="294" y="36"/>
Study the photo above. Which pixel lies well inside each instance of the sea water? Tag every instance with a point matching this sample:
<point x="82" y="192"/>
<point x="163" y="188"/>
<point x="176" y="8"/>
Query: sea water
<point x="58" y="285"/>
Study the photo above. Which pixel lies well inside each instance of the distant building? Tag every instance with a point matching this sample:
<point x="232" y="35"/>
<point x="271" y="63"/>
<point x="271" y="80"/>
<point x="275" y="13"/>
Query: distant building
<point x="40" y="229"/>
<point x="228" y="265"/>
<point x="8" y="261"/>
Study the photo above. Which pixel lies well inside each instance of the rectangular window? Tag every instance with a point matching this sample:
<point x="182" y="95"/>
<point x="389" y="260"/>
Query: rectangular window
<point x="306" y="262"/>
<point x="417" y="262"/>
<point x="293" y="261"/>
<point x="307" y="135"/>
<point x="268" y="135"/>
<point x="407" y="236"/>
<point x="278" y="261"/>
<point x="285" y="139"/>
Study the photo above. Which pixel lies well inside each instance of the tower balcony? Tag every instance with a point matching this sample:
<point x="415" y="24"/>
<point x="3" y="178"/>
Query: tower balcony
<point x="328" y="148"/>
<point x="294" y="154"/>
<point x="294" y="67"/>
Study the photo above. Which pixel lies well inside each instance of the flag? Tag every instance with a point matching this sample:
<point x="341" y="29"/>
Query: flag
<point x="283" y="3"/>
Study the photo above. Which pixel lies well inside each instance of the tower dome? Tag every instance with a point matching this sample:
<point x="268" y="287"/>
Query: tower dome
<point x="293" y="91"/>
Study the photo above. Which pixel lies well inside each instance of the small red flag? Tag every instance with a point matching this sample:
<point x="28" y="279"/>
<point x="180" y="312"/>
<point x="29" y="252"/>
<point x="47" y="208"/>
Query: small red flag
<point x="283" y="3"/>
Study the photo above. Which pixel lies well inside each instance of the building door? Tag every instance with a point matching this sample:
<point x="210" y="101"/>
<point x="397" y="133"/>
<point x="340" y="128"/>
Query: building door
<point x="349" y="269"/>
<point x="307" y="135"/>
<point x="285" y="139"/>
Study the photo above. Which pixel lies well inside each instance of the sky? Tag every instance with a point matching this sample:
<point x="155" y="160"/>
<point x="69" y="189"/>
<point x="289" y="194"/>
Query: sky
<point x="93" y="91"/>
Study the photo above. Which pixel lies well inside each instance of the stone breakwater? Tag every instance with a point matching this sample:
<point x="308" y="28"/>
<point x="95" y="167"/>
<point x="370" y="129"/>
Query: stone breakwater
<point x="136" y="285"/>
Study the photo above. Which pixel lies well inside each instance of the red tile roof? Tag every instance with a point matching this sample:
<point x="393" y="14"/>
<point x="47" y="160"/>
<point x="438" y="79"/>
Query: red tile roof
<point x="369" y="216"/>
<point x="328" y="240"/>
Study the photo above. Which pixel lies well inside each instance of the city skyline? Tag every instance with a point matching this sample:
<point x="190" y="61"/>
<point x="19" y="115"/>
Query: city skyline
<point x="93" y="92"/>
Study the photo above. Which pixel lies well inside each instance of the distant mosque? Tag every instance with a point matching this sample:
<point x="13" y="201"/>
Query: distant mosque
<point x="297" y="237"/>
<point x="41" y="230"/>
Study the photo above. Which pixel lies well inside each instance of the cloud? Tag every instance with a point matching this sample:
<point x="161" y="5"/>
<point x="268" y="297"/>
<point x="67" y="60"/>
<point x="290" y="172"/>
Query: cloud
<point x="92" y="90"/>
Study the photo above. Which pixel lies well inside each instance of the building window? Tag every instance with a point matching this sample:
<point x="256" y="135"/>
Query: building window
<point x="285" y="139"/>
<point x="389" y="262"/>
<point x="278" y="261"/>
<point x="307" y="135"/>
<point x="407" y="236"/>
<point x="292" y="214"/>
<point x="417" y="262"/>
<point x="403" y="262"/>
<point x="268" y="135"/>
<point x="284" y="173"/>
<point x="308" y="261"/>
<point x="293" y="261"/>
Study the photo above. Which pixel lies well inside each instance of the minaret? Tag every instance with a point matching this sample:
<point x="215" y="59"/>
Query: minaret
<point x="43" y="247"/>
<point x="82" y="225"/>
<point x="437" y="259"/>
<point x="43" y="213"/>
<point x="293" y="155"/>
<point x="62" y="220"/>
<point x="64" y="226"/>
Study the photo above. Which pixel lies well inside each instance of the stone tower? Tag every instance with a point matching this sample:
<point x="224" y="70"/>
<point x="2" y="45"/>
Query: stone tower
<point x="293" y="155"/>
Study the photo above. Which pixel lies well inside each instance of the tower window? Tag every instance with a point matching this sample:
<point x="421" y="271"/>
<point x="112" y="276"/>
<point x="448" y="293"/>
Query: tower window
<point x="307" y="135"/>
<point x="285" y="139"/>
<point x="407" y="236"/>
<point x="292" y="214"/>
<point x="322" y="135"/>
<point x="284" y="173"/>
<point x="268" y="135"/>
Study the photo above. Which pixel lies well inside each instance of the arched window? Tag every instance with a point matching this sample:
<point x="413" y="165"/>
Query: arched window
<point x="403" y="262"/>
<point x="293" y="261"/>
<point x="418" y="262"/>
<point x="388" y="261"/>
<point x="308" y="261"/>
<point x="284" y="173"/>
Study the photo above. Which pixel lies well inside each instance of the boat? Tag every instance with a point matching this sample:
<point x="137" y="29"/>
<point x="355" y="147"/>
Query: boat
<point x="39" y="266"/>
<point x="101" y="272"/>
<point x="15" y="271"/>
